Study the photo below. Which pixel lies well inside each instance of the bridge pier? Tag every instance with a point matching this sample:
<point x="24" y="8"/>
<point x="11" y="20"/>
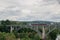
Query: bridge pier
<point x="11" y="29"/>
<point x="43" y="34"/>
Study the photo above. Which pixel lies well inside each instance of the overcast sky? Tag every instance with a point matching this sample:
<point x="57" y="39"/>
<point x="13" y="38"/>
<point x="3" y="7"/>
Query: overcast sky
<point x="30" y="10"/>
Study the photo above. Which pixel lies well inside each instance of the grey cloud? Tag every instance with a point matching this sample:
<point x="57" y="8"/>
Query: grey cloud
<point x="58" y="1"/>
<point x="31" y="10"/>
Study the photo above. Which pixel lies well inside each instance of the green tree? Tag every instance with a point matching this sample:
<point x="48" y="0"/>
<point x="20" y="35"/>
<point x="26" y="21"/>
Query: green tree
<point x="3" y="26"/>
<point x="53" y="34"/>
<point x="5" y="22"/>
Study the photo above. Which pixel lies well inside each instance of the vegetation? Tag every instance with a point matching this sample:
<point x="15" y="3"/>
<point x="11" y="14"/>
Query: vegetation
<point x="23" y="33"/>
<point x="7" y="36"/>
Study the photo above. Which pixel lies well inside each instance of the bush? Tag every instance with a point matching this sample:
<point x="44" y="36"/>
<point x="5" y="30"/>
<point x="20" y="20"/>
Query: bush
<point x="10" y="36"/>
<point x="2" y="36"/>
<point x="7" y="36"/>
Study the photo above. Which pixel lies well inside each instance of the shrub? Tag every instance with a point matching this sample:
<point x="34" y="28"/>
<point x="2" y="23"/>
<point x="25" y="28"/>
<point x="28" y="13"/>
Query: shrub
<point x="2" y="36"/>
<point x="10" y="36"/>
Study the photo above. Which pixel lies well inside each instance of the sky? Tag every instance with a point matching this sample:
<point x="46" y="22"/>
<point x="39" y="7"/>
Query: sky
<point x="30" y="10"/>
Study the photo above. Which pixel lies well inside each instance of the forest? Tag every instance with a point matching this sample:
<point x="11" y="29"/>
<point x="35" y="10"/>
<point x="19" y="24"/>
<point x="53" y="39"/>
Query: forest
<point x="24" y="33"/>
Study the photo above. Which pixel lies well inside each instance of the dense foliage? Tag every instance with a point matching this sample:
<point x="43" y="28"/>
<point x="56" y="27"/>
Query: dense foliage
<point x="23" y="33"/>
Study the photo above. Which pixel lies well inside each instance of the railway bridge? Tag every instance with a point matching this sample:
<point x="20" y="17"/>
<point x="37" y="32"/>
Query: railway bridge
<point x="34" y="27"/>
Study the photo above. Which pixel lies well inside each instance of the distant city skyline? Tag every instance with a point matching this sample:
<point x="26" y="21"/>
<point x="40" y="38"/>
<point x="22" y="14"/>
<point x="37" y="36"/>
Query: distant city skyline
<point x="30" y="10"/>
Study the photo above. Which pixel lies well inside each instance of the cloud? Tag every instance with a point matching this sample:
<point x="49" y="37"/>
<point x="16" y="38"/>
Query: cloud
<point x="28" y="10"/>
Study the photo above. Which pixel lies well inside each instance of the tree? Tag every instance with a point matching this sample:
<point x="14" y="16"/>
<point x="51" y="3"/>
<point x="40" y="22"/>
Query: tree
<point x="6" y="22"/>
<point x="3" y="27"/>
<point x="53" y="34"/>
